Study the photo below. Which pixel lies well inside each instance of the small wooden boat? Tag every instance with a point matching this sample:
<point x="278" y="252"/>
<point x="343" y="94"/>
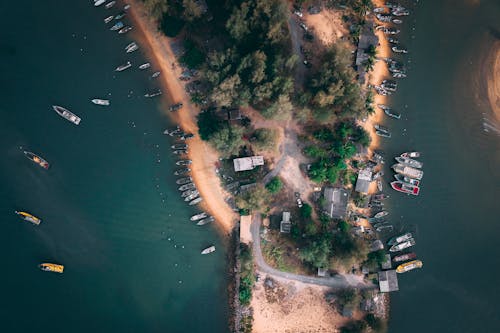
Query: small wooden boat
<point x="196" y="201"/>
<point x="208" y="250"/>
<point x="37" y="159"/>
<point x="185" y="180"/>
<point x="182" y="171"/>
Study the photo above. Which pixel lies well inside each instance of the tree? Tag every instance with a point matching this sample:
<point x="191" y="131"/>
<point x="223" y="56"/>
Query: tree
<point x="306" y="211"/>
<point x="156" y="8"/>
<point x="227" y="140"/>
<point x="256" y="198"/>
<point x="275" y="185"/>
<point x="208" y="124"/>
<point x="192" y="10"/>
<point x="281" y="109"/>
<point x="265" y="139"/>
<point x="316" y="253"/>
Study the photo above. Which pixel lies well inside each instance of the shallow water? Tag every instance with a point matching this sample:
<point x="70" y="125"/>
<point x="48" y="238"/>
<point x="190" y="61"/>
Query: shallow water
<point x="110" y="208"/>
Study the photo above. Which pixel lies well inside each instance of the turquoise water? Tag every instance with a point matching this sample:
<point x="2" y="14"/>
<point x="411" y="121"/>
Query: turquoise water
<point x="456" y="215"/>
<point x="110" y="208"/>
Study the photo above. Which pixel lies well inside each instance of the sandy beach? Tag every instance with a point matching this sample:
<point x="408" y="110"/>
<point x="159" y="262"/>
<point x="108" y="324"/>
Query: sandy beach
<point x="204" y="157"/>
<point x="493" y="78"/>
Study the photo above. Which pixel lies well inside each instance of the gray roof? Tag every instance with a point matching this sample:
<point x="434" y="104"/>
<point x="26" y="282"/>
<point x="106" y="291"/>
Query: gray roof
<point x="336" y="200"/>
<point x="364" y="180"/>
<point x="285" y="224"/>
<point x="247" y="163"/>
<point x="388" y="281"/>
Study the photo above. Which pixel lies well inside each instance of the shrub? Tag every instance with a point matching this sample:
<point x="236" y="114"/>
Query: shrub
<point x="275" y="185"/>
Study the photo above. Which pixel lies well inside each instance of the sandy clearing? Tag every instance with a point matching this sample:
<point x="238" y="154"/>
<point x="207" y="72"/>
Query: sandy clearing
<point x="327" y="25"/>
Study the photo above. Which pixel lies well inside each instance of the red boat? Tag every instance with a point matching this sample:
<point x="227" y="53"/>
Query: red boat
<point x="404" y="257"/>
<point x="37" y="159"/>
<point x="405" y="187"/>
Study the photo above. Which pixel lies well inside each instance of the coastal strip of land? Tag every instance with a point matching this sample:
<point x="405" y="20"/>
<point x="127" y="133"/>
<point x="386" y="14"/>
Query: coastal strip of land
<point x="204" y="158"/>
<point x="493" y="78"/>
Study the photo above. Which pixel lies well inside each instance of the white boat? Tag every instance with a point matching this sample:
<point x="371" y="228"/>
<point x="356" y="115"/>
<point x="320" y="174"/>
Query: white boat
<point x="123" y="67"/>
<point x="66" y="114"/>
<point x="99" y="101"/>
<point x="108" y="19"/>
<point x="125" y="29"/>
<point x="156" y="74"/>
<point x="409" y="161"/>
<point x="412" y="154"/>
<point x="99" y="2"/>
<point x="145" y="65"/>
<point x="131" y="47"/>
<point x="408" y="171"/>
<point x="208" y="250"/>
<point x="110" y="4"/>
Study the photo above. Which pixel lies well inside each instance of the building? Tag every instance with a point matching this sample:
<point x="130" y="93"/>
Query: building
<point x="335" y="204"/>
<point x="364" y="180"/>
<point x="388" y="281"/>
<point x="247" y="163"/>
<point x="367" y="38"/>
<point x="285" y="224"/>
<point x="376" y="245"/>
<point x="245" y="233"/>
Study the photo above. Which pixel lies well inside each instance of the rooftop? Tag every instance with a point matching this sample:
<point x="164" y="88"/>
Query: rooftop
<point x="388" y="281"/>
<point x="247" y="163"/>
<point x="336" y="200"/>
<point x="364" y="180"/>
<point x="285" y="224"/>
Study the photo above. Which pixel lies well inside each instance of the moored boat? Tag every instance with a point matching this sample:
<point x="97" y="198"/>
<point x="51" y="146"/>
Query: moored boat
<point x="397" y="21"/>
<point x="208" y="250"/>
<point x="408" y="266"/>
<point x="198" y="216"/>
<point x="116" y="26"/>
<point x="66" y="114"/>
<point x="408" y="171"/>
<point x="131" y="47"/>
<point x="99" y="101"/>
<point x="380" y="196"/>
<point x="385" y="228"/>
<point x="49" y="267"/>
<point x="97" y="3"/>
<point x="28" y="217"/>
<point x="182" y="171"/>
<point x="37" y="159"/>
<point x="398" y="75"/>
<point x="175" y="107"/>
<point x="404" y="257"/>
<point x="380" y="186"/>
<point x="405" y="188"/>
<point x="381" y="214"/>
<point x="183" y="162"/>
<point x="155" y="74"/>
<point x="180" y="152"/>
<point x="402" y="246"/>
<point x="108" y="19"/>
<point x="411" y="154"/>
<point x="110" y="4"/>
<point x="410" y="162"/>
<point x="179" y="146"/>
<point x="120" y="15"/>
<point x="124" y="29"/>
<point x="399" y="49"/>
<point x="408" y="180"/>
<point x="190" y="197"/>
<point x="145" y="65"/>
<point x="123" y="67"/>
<point x="188" y="186"/>
<point x="188" y="193"/>
<point x="153" y="94"/>
<point x="383" y="134"/>
<point x="182" y="181"/>
<point x="195" y="201"/>
<point x="392" y="113"/>
<point x="206" y="221"/>
<point x="400" y="238"/>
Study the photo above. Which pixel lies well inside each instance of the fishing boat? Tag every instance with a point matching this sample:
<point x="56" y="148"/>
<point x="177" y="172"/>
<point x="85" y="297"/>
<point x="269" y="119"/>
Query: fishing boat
<point x="28" y="217"/>
<point x="183" y="162"/>
<point x="391" y="113"/>
<point x="404" y="257"/>
<point x="389" y="85"/>
<point x="110" y="4"/>
<point x="399" y="49"/>
<point x="145" y="65"/>
<point x="131" y="47"/>
<point x="408" y="266"/>
<point x="378" y="175"/>
<point x="188" y="193"/>
<point x="385" y="228"/>
<point x="188" y="186"/>
<point x="97" y="3"/>
<point x="411" y="154"/>
<point x="153" y="94"/>
<point x="182" y="181"/>
<point x="108" y="19"/>
<point x="126" y="7"/>
<point x="175" y="107"/>
<point x="180" y="151"/>
<point x="379" y="10"/>
<point x="155" y="74"/>
<point x="192" y="196"/>
<point x="120" y="15"/>
<point x="187" y="136"/>
<point x="168" y="131"/>
<point x="99" y="101"/>
<point x="383" y="134"/>
<point x="381" y="214"/>
<point x="123" y="67"/>
<point x="381" y="91"/>
<point x="400" y="12"/>
<point x="208" y="250"/>
<point x="398" y="75"/>
<point x="48" y="267"/>
<point x="384" y="17"/>
<point x="408" y="180"/>
<point x="118" y="25"/>
<point x="402" y="246"/>
<point x="392" y="40"/>
<point x="182" y="171"/>
<point x="380" y="196"/>
<point x="66" y="114"/>
<point x="198" y="216"/>
<point x="195" y="201"/>
<point x="408" y="171"/>
<point x="37" y="159"/>
<point x="397" y="21"/>
<point x="124" y="29"/>
<point x="179" y="146"/>
<point x="409" y="161"/>
<point x="400" y="238"/>
<point x="405" y="188"/>
<point x="206" y="221"/>
<point x="380" y="186"/>
<point x="382" y="128"/>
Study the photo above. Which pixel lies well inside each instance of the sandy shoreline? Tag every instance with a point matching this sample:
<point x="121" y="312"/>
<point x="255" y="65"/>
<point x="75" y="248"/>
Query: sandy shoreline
<point x="492" y="67"/>
<point x="204" y="158"/>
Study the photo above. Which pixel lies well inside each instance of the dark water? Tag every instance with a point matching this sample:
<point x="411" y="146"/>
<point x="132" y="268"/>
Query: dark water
<point x="111" y="212"/>
<point x="456" y="216"/>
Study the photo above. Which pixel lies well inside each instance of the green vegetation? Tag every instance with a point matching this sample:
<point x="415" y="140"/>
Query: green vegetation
<point x="316" y="253"/>
<point x="156" y="8"/>
<point x="265" y="139"/>
<point x="247" y="278"/>
<point x="254" y="199"/>
<point x="306" y="211"/>
<point x="349" y="298"/>
<point x="193" y="56"/>
<point x="275" y="185"/>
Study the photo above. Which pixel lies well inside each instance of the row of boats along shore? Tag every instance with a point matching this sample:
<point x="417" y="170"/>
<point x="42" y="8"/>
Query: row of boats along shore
<point x="187" y="188"/>
<point x="408" y="169"/>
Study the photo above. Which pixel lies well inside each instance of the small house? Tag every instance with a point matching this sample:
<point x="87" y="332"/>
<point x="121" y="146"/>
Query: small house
<point x="388" y="281"/>
<point x="363" y="181"/>
<point x="336" y="200"/>
<point x="247" y="163"/>
<point x="285" y="224"/>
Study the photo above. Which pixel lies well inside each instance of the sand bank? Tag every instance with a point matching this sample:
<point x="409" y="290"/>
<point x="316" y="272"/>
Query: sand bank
<point x="492" y="74"/>
<point x="204" y="158"/>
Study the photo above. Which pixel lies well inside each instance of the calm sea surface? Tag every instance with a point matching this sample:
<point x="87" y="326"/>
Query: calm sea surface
<point x="456" y="217"/>
<point x="110" y="208"/>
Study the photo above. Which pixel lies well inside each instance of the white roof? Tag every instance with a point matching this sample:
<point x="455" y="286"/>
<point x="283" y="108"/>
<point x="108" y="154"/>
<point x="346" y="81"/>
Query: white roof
<point x="365" y="174"/>
<point x="247" y="163"/>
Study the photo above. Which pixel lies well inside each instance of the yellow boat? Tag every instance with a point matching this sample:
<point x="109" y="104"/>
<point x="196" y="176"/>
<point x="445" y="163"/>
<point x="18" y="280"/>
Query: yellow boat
<point x="408" y="266"/>
<point x="28" y="217"/>
<point x="48" y="267"/>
